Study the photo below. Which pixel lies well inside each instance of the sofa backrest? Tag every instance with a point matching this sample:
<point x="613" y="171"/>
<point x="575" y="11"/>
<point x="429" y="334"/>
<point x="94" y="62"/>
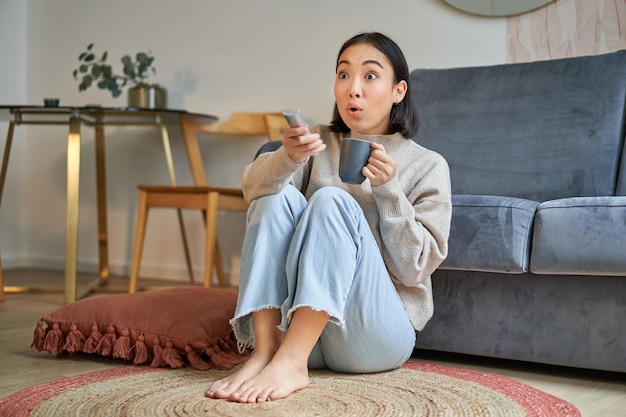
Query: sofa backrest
<point x="542" y="130"/>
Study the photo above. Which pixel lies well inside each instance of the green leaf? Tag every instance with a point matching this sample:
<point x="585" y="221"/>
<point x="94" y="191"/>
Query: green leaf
<point x="142" y="58"/>
<point x="105" y="55"/>
<point x="82" y="56"/>
<point x="89" y="46"/>
<point x="90" y="58"/>
<point x="141" y="69"/>
<point x="86" y="83"/>
<point x="75" y="72"/>
<point x="126" y="60"/>
<point x="107" y="71"/>
<point x="83" y="68"/>
<point x="96" y="71"/>
<point x="129" y="70"/>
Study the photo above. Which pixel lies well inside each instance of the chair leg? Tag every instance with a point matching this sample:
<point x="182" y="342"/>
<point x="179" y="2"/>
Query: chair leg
<point x="140" y="234"/>
<point x="211" y="236"/>
<point x="219" y="266"/>
<point x="183" y="235"/>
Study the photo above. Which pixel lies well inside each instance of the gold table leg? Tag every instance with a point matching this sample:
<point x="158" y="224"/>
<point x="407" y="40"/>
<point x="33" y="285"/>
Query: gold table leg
<point x="71" y="239"/>
<point x="103" y="239"/>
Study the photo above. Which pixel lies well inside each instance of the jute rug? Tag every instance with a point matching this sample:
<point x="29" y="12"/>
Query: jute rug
<point x="417" y="389"/>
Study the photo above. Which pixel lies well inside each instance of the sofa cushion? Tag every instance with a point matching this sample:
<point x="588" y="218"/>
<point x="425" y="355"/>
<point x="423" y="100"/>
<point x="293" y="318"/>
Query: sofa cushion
<point x="491" y="234"/>
<point x="541" y="131"/>
<point x="580" y="236"/>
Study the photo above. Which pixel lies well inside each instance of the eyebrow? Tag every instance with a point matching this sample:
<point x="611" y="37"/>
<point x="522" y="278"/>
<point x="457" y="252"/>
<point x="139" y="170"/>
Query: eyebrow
<point x="366" y="62"/>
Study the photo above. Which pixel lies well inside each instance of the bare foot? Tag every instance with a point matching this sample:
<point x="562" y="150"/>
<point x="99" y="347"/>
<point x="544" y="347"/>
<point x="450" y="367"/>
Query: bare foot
<point x="277" y="380"/>
<point x="224" y="388"/>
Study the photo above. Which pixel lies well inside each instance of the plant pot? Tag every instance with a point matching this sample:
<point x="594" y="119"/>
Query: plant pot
<point x="147" y="96"/>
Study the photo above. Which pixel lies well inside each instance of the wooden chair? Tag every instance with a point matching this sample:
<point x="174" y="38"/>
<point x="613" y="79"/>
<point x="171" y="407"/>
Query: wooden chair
<point x="211" y="200"/>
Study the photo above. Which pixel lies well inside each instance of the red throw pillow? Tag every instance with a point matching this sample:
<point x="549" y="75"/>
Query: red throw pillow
<point x="162" y="328"/>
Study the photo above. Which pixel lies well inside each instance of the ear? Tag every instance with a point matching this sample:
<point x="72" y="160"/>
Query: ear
<point x="399" y="91"/>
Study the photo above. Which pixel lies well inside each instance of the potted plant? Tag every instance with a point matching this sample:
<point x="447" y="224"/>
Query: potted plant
<point x="93" y="69"/>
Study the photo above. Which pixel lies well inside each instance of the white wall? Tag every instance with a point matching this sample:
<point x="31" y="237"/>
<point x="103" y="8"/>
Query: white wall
<point x="213" y="57"/>
<point x="13" y="244"/>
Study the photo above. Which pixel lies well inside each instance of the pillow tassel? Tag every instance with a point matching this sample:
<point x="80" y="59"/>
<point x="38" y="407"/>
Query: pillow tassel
<point x="39" y="336"/>
<point x="122" y="348"/>
<point x="218" y="359"/>
<point x="54" y="340"/>
<point x="158" y="361"/>
<point x="195" y="360"/>
<point x="75" y="340"/>
<point x="105" y="346"/>
<point x="92" y="341"/>
<point x="141" y="351"/>
<point x="232" y="342"/>
<point x="227" y="350"/>
<point x="171" y="356"/>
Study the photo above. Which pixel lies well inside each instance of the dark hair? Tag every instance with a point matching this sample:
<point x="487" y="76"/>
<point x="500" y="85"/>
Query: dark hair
<point x="403" y="117"/>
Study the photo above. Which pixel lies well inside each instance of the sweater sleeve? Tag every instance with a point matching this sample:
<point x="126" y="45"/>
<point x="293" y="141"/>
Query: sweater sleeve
<point x="414" y="226"/>
<point x="269" y="173"/>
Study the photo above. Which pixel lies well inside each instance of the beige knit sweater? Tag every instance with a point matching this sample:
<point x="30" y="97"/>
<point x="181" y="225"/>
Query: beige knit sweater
<point x="409" y="216"/>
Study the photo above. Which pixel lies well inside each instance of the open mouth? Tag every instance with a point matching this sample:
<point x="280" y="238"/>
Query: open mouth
<point x="354" y="111"/>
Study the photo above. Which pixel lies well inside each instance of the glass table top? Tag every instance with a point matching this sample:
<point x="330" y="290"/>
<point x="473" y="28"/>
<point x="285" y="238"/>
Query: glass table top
<point x="98" y="114"/>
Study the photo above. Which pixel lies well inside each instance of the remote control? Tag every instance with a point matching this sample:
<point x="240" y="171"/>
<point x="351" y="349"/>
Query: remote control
<point x="294" y="118"/>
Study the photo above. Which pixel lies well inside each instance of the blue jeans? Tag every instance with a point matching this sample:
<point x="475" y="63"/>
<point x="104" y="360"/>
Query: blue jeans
<point x="321" y="254"/>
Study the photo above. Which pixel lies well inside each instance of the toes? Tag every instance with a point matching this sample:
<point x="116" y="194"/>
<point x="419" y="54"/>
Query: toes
<point x="210" y="392"/>
<point x="219" y="391"/>
<point x="243" y="396"/>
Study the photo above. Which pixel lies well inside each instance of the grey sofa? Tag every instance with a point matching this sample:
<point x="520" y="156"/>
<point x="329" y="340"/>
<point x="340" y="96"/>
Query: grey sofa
<point x="536" y="269"/>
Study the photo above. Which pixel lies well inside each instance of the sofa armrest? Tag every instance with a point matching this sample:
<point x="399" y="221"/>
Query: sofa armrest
<point x="580" y="236"/>
<point x="490" y="233"/>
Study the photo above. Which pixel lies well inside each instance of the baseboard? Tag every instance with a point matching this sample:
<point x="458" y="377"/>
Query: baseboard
<point x="159" y="272"/>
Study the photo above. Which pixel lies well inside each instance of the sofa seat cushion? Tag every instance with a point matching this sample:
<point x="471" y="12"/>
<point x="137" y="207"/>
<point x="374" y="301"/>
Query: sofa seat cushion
<point x="490" y="234"/>
<point x="580" y="236"/>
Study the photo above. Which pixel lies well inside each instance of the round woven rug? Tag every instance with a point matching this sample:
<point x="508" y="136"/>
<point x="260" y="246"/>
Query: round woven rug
<point x="416" y="389"/>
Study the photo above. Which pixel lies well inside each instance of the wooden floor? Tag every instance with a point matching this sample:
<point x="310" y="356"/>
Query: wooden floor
<point x="595" y="394"/>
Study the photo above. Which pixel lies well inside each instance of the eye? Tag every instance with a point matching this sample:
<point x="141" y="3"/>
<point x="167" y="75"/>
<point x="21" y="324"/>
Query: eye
<point x="370" y="76"/>
<point x="342" y="76"/>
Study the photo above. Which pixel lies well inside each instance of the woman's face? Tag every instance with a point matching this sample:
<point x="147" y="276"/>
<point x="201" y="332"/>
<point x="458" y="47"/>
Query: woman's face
<point x="365" y="89"/>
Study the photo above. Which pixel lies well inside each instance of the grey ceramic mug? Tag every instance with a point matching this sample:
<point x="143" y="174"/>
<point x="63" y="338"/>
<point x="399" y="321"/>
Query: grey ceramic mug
<point x="353" y="157"/>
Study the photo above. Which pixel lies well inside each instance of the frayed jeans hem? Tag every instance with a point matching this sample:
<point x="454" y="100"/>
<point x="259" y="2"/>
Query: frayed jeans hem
<point x="243" y="327"/>
<point x="286" y="319"/>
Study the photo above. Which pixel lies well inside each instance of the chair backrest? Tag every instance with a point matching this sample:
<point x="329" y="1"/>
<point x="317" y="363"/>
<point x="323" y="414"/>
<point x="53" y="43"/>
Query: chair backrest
<point x="240" y="124"/>
<point x="268" y="124"/>
<point x="275" y="124"/>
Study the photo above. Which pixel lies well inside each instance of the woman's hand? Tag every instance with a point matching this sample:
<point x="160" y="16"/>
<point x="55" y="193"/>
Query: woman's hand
<point x="380" y="168"/>
<point x="300" y="144"/>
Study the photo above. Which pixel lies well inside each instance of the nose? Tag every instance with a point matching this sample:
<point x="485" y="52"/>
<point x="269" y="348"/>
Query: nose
<point x="355" y="89"/>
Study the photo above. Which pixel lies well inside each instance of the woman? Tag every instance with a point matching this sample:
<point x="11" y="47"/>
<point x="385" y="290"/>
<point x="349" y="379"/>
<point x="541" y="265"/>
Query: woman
<point x="336" y="275"/>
